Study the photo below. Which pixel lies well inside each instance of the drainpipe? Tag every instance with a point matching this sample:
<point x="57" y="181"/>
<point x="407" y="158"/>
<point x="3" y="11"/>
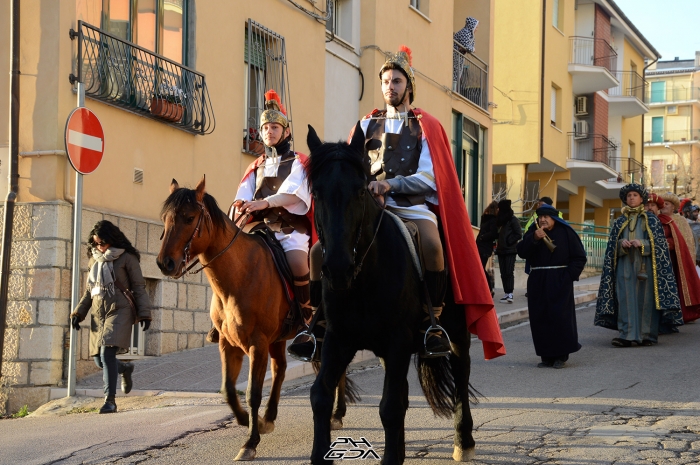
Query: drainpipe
<point x="13" y="173"/>
<point x="644" y="77"/>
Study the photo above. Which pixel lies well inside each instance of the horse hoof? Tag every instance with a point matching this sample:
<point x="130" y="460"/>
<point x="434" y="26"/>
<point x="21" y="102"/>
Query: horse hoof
<point x="463" y="455"/>
<point x="245" y="454"/>
<point x="336" y="424"/>
<point x="265" y="427"/>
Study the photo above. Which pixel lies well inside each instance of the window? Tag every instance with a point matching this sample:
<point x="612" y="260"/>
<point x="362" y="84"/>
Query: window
<point x="266" y="68"/>
<point x="557" y="16"/>
<point x="156" y="25"/>
<point x="555" y="106"/>
<point x="468" y="148"/>
<point x="657" y="173"/>
<point x="340" y="23"/>
<point x="421" y="5"/>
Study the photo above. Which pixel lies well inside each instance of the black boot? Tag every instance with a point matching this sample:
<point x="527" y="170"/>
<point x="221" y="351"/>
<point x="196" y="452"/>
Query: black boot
<point x="436" y="343"/>
<point x="301" y="294"/>
<point x="110" y="406"/>
<point x="302" y="347"/>
<point x="126" y="370"/>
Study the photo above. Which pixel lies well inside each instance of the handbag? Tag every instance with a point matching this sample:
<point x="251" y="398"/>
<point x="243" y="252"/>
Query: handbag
<point x="129" y="297"/>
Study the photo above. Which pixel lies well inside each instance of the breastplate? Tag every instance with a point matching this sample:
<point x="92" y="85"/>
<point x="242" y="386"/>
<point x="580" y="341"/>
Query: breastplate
<point x="392" y="155"/>
<point x="265" y="187"/>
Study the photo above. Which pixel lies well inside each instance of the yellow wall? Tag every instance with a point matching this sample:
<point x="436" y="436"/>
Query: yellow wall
<point x="516" y="71"/>
<point x="632" y="127"/>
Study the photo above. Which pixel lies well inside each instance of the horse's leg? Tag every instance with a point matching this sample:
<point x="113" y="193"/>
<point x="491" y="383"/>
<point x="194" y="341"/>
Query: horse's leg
<point x="257" y="355"/>
<point x="393" y="406"/>
<point x="461" y="367"/>
<point x="231" y="361"/>
<point x="278" y="367"/>
<point x="341" y="406"/>
<point x="334" y="361"/>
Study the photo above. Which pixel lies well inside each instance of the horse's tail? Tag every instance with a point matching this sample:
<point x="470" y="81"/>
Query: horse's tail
<point x="352" y="390"/>
<point x="435" y="377"/>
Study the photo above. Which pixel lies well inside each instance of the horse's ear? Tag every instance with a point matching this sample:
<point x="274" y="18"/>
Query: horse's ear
<point x="200" y="189"/>
<point x="312" y="140"/>
<point x="358" y="139"/>
<point x="174" y="186"/>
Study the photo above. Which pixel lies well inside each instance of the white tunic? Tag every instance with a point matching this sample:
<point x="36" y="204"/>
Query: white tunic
<point x="424" y="173"/>
<point x="295" y="184"/>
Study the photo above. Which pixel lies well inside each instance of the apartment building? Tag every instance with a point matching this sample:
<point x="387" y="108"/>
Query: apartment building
<point x="178" y="86"/>
<point x="570" y="99"/>
<point x="672" y="126"/>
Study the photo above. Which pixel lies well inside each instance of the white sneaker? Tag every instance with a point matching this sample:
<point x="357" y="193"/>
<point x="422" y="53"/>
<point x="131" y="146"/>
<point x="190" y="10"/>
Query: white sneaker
<point x="509" y="298"/>
<point x="504" y="299"/>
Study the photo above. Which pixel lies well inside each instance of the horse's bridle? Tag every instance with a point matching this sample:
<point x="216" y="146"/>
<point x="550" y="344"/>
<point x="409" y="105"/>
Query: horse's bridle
<point x="203" y="213"/>
<point x="358" y="266"/>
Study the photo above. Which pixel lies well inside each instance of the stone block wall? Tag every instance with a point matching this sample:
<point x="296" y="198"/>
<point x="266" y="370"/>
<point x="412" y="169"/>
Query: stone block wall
<point x="35" y="356"/>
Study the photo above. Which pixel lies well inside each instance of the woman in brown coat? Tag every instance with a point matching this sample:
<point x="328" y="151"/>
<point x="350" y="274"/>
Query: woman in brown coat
<point x="114" y="272"/>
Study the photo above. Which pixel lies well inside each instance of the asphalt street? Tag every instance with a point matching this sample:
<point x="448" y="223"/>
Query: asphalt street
<point x="639" y="405"/>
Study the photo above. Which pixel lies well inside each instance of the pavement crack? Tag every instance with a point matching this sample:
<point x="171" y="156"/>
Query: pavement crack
<point x="595" y="393"/>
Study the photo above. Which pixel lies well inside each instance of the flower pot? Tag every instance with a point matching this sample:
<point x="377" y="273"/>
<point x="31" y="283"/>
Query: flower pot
<point x="161" y="108"/>
<point x="256" y="147"/>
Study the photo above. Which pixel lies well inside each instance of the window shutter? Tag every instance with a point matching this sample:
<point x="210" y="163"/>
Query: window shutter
<point x="254" y="50"/>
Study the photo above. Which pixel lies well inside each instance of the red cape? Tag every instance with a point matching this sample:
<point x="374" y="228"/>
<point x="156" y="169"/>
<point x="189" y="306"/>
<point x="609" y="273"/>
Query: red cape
<point x="470" y="288"/>
<point x="303" y="159"/>
<point x="686" y="275"/>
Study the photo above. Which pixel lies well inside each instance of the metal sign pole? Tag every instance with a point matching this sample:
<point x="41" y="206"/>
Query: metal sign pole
<point x="75" y="287"/>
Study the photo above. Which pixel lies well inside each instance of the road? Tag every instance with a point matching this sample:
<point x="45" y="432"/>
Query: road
<point x="608" y="406"/>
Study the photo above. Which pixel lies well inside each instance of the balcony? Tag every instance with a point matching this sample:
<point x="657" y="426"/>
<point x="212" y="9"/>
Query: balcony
<point x="657" y="97"/>
<point x="590" y="64"/>
<point x="627" y="98"/>
<point x="589" y="158"/>
<point x="680" y="137"/>
<point x="124" y="75"/>
<point x="471" y="77"/>
<point x="629" y="171"/>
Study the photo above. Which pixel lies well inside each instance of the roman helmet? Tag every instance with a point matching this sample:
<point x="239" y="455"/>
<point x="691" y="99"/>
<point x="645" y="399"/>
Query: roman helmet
<point x="274" y="110"/>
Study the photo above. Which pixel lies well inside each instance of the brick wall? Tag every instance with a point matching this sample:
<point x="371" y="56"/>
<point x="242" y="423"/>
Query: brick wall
<point x="600" y="126"/>
<point x="602" y="31"/>
<point x="37" y="334"/>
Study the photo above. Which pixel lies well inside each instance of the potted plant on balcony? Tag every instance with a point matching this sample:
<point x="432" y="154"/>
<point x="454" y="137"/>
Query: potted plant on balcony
<point x="252" y="142"/>
<point x="168" y="103"/>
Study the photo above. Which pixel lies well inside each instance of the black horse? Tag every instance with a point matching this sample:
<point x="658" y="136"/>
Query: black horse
<point x="373" y="297"/>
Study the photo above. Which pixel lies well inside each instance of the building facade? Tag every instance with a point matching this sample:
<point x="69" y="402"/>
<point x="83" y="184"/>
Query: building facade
<point x="178" y="86"/>
<point x="672" y="126"/>
<point x="570" y="100"/>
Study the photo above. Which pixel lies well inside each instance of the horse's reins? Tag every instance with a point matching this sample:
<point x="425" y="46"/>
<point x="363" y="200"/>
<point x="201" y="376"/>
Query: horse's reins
<point x="197" y="232"/>
<point x="358" y="267"/>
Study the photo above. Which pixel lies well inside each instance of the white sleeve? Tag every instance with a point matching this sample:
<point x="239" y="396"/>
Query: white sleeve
<point x="425" y="166"/>
<point x="297" y="184"/>
<point x="246" y="190"/>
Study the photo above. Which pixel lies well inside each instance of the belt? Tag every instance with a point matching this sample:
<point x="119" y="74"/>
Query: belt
<point x="548" y="267"/>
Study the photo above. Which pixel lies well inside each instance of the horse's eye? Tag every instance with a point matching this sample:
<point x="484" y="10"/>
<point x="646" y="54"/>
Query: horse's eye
<point x="190" y="220"/>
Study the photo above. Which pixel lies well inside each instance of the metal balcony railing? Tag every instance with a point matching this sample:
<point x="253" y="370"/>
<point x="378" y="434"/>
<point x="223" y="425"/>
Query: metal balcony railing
<point x="629" y="169"/>
<point x="591" y="147"/>
<point x="130" y="77"/>
<point x="683" y="135"/>
<point x="631" y="85"/>
<point x="672" y="95"/>
<point x="471" y="77"/>
<point x="592" y="52"/>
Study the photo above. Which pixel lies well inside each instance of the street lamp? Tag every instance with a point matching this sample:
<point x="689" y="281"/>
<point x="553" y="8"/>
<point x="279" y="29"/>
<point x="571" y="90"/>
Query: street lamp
<point x="675" y="177"/>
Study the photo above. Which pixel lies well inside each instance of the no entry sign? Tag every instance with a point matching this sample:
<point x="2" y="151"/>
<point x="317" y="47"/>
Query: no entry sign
<point x="85" y="140"/>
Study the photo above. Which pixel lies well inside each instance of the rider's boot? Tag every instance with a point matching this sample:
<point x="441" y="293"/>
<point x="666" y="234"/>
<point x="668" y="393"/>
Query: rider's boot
<point x="303" y="346"/>
<point x="437" y="343"/>
<point x="301" y="293"/>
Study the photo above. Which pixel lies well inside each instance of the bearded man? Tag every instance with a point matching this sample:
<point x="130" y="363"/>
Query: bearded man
<point x="557" y="258"/>
<point x="637" y="280"/>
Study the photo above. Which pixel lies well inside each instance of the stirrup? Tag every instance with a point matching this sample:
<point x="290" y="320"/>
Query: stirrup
<point x="435" y="329"/>
<point x="307" y="332"/>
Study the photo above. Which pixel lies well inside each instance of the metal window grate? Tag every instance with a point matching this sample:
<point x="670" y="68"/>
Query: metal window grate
<point x="266" y="68"/>
<point x="122" y="74"/>
<point x="138" y="176"/>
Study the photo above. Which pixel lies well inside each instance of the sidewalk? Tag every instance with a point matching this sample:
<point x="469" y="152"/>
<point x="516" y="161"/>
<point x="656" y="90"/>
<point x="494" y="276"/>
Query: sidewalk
<point x="197" y="372"/>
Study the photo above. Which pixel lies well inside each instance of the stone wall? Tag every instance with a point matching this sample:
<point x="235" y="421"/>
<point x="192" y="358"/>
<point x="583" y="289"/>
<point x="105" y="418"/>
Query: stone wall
<point x="37" y="334"/>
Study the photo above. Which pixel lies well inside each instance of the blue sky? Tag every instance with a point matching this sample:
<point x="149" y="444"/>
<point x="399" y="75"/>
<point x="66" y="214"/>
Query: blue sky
<point x="670" y="25"/>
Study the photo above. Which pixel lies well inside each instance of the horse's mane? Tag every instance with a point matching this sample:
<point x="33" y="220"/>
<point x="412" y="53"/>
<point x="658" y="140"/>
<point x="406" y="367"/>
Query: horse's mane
<point x="329" y="152"/>
<point x="184" y="196"/>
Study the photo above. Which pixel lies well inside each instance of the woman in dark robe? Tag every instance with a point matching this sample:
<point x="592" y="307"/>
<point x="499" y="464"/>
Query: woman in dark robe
<point x="550" y="286"/>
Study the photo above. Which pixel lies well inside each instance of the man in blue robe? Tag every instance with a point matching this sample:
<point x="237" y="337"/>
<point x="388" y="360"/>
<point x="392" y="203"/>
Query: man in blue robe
<point x="637" y="281"/>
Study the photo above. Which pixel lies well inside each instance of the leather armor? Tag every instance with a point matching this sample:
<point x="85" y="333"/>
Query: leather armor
<point x="394" y="155"/>
<point x="277" y="219"/>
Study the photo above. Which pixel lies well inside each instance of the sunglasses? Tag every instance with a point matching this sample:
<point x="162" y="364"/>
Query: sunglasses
<point x="100" y="244"/>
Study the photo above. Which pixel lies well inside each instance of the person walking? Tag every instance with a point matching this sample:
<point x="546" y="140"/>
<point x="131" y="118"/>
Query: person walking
<point x="115" y="295"/>
<point x="509" y="234"/>
<point x="486" y="239"/>
<point x="550" y="286"/>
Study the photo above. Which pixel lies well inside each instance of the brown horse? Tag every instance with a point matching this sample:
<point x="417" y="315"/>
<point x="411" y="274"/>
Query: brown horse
<point x="249" y="302"/>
